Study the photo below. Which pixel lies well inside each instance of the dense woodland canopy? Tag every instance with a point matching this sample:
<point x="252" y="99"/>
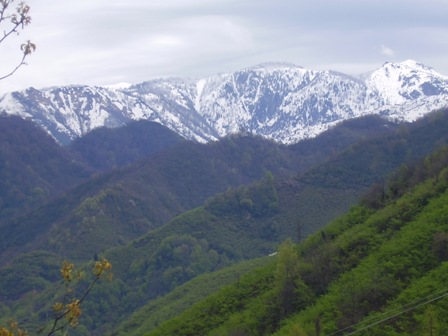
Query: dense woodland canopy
<point x="177" y="218"/>
<point x="379" y="269"/>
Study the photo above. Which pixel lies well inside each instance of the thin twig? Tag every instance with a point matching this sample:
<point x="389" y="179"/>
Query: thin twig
<point x="22" y="62"/>
<point x="60" y="317"/>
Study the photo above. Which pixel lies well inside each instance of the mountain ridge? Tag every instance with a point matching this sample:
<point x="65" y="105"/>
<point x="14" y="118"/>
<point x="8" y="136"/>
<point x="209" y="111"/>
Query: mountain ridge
<point x="223" y="230"/>
<point x="280" y="101"/>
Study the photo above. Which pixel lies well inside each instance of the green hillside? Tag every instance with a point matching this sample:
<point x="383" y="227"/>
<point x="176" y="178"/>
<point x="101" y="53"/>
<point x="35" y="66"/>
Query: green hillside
<point x="184" y="296"/>
<point x="105" y="148"/>
<point x="33" y="168"/>
<point x="193" y="208"/>
<point x="126" y="203"/>
<point x="121" y="205"/>
<point x="370" y="272"/>
<point x="230" y="227"/>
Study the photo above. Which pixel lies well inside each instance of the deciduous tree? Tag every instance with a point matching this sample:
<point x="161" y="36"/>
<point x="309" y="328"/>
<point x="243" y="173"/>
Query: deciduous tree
<point x="13" y="19"/>
<point x="68" y="310"/>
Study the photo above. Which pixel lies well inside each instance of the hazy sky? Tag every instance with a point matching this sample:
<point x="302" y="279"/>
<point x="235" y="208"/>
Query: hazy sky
<point x="101" y="42"/>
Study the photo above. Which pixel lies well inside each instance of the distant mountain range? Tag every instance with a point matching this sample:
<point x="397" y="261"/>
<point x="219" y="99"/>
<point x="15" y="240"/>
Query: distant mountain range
<point x="280" y="101"/>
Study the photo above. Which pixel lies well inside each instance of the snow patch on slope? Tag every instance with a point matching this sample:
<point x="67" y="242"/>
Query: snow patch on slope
<point x="281" y="101"/>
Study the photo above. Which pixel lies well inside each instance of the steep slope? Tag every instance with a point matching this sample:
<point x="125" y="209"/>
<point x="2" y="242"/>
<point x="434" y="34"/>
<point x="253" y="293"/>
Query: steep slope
<point x="89" y="219"/>
<point x="248" y="222"/>
<point x="370" y="272"/>
<point x="110" y="209"/>
<point x="105" y="148"/>
<point x="113" y="208"/>
<point x="238" y="224"/>
<point x="405" y="90"/>
<point x="230" y="224"/>
<point x="280" y="101"/>
<point x="33" y="168"/>
<point x="168" y="306"/>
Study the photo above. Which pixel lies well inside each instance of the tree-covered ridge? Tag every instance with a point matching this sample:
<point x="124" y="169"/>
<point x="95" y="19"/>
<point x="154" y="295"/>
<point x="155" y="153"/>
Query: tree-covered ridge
<point x="106" y="148"/>
<point x="364" y="271"/>
<point x="105" y="214"/>
<point x="127" y="202"/>
<point x="33" y="168"/>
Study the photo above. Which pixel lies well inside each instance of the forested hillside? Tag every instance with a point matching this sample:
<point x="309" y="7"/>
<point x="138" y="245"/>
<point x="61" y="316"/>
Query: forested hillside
<point x="165" y="216"/>
<point x="161" y="180"/>
<point x="105" y="148"/>
<point x="33" y="168"/>
<point x="380" y="269"/>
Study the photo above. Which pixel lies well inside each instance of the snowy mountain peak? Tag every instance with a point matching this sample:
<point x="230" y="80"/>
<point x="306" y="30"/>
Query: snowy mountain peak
<point x="281" y="101"/>
<point x="273" y="66"/>
<point x="118" y="86"/>
<point x="397" y="83"/>
<point x="410" y="67"/>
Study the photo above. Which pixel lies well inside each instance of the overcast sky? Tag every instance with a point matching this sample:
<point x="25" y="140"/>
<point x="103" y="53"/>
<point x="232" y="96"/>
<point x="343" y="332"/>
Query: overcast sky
<point x="102" y="42"/>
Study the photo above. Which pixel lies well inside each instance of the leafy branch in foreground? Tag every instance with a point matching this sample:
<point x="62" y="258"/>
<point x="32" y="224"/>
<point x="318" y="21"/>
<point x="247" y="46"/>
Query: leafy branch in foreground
<point x="12" y="330"/>
<point x="11" y="22"/>
<point x="68" y="310"/>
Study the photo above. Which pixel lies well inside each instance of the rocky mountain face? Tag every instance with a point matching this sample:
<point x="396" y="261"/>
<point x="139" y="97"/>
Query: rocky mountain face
<point x="281" y="101"/>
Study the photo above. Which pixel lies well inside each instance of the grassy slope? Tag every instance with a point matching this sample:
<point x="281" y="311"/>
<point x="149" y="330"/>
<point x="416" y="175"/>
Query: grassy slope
<point x="377" y="256"/>
<point x="181" y="298"/>
<point x="397" y="260"/>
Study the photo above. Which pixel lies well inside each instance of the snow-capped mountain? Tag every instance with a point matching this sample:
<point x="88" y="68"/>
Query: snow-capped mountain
<point x="281" y="101"/>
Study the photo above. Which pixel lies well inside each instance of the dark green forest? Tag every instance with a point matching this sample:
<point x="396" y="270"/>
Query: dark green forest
<point x="377" y="270"/>
<point x="241" y="236"/>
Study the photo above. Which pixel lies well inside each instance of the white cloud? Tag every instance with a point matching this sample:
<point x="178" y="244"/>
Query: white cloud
<point x="386" y="51"/>
<point x="96" y="42"/>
